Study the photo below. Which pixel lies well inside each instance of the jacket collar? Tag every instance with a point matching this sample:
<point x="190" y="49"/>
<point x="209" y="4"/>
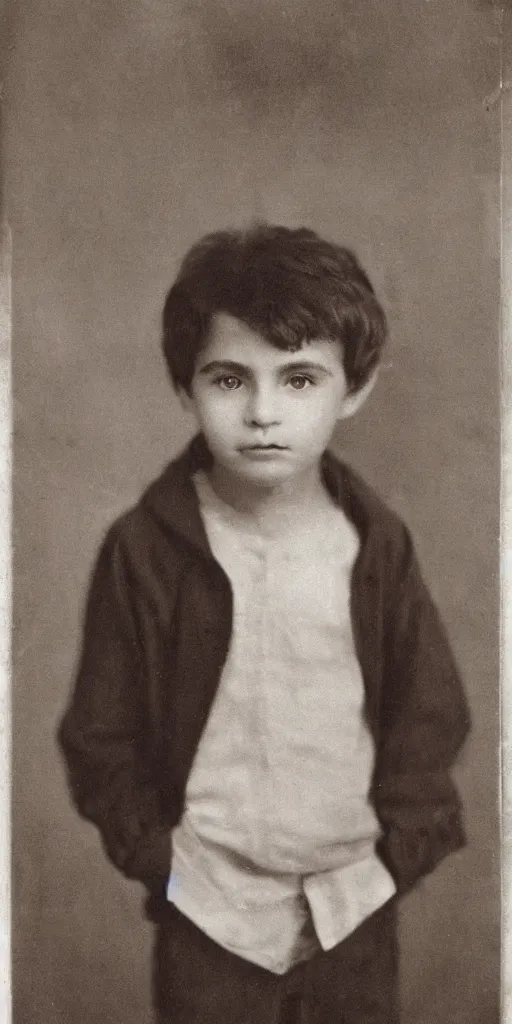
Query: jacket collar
<point x="172" y="497"/>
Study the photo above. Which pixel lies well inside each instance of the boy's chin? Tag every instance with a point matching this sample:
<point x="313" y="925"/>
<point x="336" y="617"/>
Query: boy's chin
<point x="266" y="480"/>
<point x="265" y="475"/>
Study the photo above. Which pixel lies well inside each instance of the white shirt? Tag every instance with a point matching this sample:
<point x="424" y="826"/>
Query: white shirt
<point x="278" y="827"/>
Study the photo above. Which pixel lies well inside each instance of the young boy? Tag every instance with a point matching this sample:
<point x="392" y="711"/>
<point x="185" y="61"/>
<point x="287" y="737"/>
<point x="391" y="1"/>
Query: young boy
<point x="267" y="708"/>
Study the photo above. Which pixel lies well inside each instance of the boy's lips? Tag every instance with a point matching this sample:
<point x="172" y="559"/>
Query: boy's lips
<point x="263" y="448"/>
<point x="262" y="451"/>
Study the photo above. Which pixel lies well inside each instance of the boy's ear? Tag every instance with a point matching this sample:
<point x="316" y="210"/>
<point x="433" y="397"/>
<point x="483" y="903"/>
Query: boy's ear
<point x="187" y="404"/>
<point x="186" y="401"/>
<point x="354" y="400"/>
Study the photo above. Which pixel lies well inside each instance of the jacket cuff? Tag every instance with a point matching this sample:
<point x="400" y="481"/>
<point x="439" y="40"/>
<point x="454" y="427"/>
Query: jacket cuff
<point x="151" y="861"/>
<point x="410" y="854"/>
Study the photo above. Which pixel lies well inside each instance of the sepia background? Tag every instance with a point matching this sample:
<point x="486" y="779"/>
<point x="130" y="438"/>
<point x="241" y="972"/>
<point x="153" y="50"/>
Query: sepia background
<point x="132" y="127"/>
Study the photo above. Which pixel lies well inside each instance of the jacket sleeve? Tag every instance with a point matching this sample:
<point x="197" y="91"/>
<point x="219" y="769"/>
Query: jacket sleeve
<point x="425" y="720"/>
<point x="101" y="734"/>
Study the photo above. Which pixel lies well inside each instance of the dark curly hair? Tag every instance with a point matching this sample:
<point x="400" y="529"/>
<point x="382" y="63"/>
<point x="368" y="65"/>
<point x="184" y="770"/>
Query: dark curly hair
<point x="290" y="286"/>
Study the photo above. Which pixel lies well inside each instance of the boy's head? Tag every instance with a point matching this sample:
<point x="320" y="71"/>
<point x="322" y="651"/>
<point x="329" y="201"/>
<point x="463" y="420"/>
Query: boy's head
<point x="248" y="311"/>
<point x="290" y="286"/>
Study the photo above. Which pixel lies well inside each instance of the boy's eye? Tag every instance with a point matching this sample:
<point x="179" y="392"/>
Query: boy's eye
<point x="228" y="382"/>
<point x="299" y="381"/>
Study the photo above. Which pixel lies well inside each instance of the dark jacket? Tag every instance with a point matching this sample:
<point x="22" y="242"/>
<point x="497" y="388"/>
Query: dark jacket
<point x="157" y="632"/>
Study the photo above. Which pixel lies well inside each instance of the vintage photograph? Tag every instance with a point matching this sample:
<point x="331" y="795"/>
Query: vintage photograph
<point x="255" y="510"/>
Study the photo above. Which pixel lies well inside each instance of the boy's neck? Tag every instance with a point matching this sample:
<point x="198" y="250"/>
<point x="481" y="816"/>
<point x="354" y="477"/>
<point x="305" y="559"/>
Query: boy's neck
<point x="304" y="495"/>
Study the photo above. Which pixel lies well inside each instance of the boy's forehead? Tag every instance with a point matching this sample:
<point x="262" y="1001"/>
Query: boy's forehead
<point x="232" y="340"/>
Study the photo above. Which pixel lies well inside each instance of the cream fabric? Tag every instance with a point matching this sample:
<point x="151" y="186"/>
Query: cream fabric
<point x="278" y="829"/>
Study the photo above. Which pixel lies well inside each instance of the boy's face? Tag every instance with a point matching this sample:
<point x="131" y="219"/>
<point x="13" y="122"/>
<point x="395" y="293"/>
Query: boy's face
<point x="267" y="415"/>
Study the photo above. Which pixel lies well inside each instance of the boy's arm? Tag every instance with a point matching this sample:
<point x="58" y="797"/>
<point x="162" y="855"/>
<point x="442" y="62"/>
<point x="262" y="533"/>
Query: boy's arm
<point x="425" y="720"/>
<point x="101" y="732"/>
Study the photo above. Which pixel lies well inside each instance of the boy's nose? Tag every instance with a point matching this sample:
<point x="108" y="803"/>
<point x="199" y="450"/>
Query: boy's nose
<point x="262" y="411"/>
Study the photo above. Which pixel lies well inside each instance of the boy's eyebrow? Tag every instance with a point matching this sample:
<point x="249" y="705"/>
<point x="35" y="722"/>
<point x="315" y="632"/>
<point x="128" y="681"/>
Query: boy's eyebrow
<point x="305" y="366"/>
<point x="223" y="364"/>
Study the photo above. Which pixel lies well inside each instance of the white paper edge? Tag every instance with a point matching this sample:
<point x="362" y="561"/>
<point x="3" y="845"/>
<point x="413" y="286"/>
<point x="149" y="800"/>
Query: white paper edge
<point x="506" y="518"/>
<point x="5" y="624"/>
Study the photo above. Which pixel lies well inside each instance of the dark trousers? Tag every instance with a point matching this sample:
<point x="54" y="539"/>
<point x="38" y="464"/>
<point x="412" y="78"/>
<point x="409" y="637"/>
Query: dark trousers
<point x="198" y="982"/>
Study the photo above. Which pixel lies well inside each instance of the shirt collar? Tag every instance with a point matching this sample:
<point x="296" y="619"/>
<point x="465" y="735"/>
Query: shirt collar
<point x="172" y="499"/>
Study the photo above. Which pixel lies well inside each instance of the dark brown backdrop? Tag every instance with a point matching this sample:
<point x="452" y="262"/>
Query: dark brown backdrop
<point x="133" y="126"/>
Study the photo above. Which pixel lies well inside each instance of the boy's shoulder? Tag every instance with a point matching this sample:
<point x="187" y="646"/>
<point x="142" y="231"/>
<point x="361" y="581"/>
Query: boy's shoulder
<point x="166" y="512"/>
<point x="362" y="502"/>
